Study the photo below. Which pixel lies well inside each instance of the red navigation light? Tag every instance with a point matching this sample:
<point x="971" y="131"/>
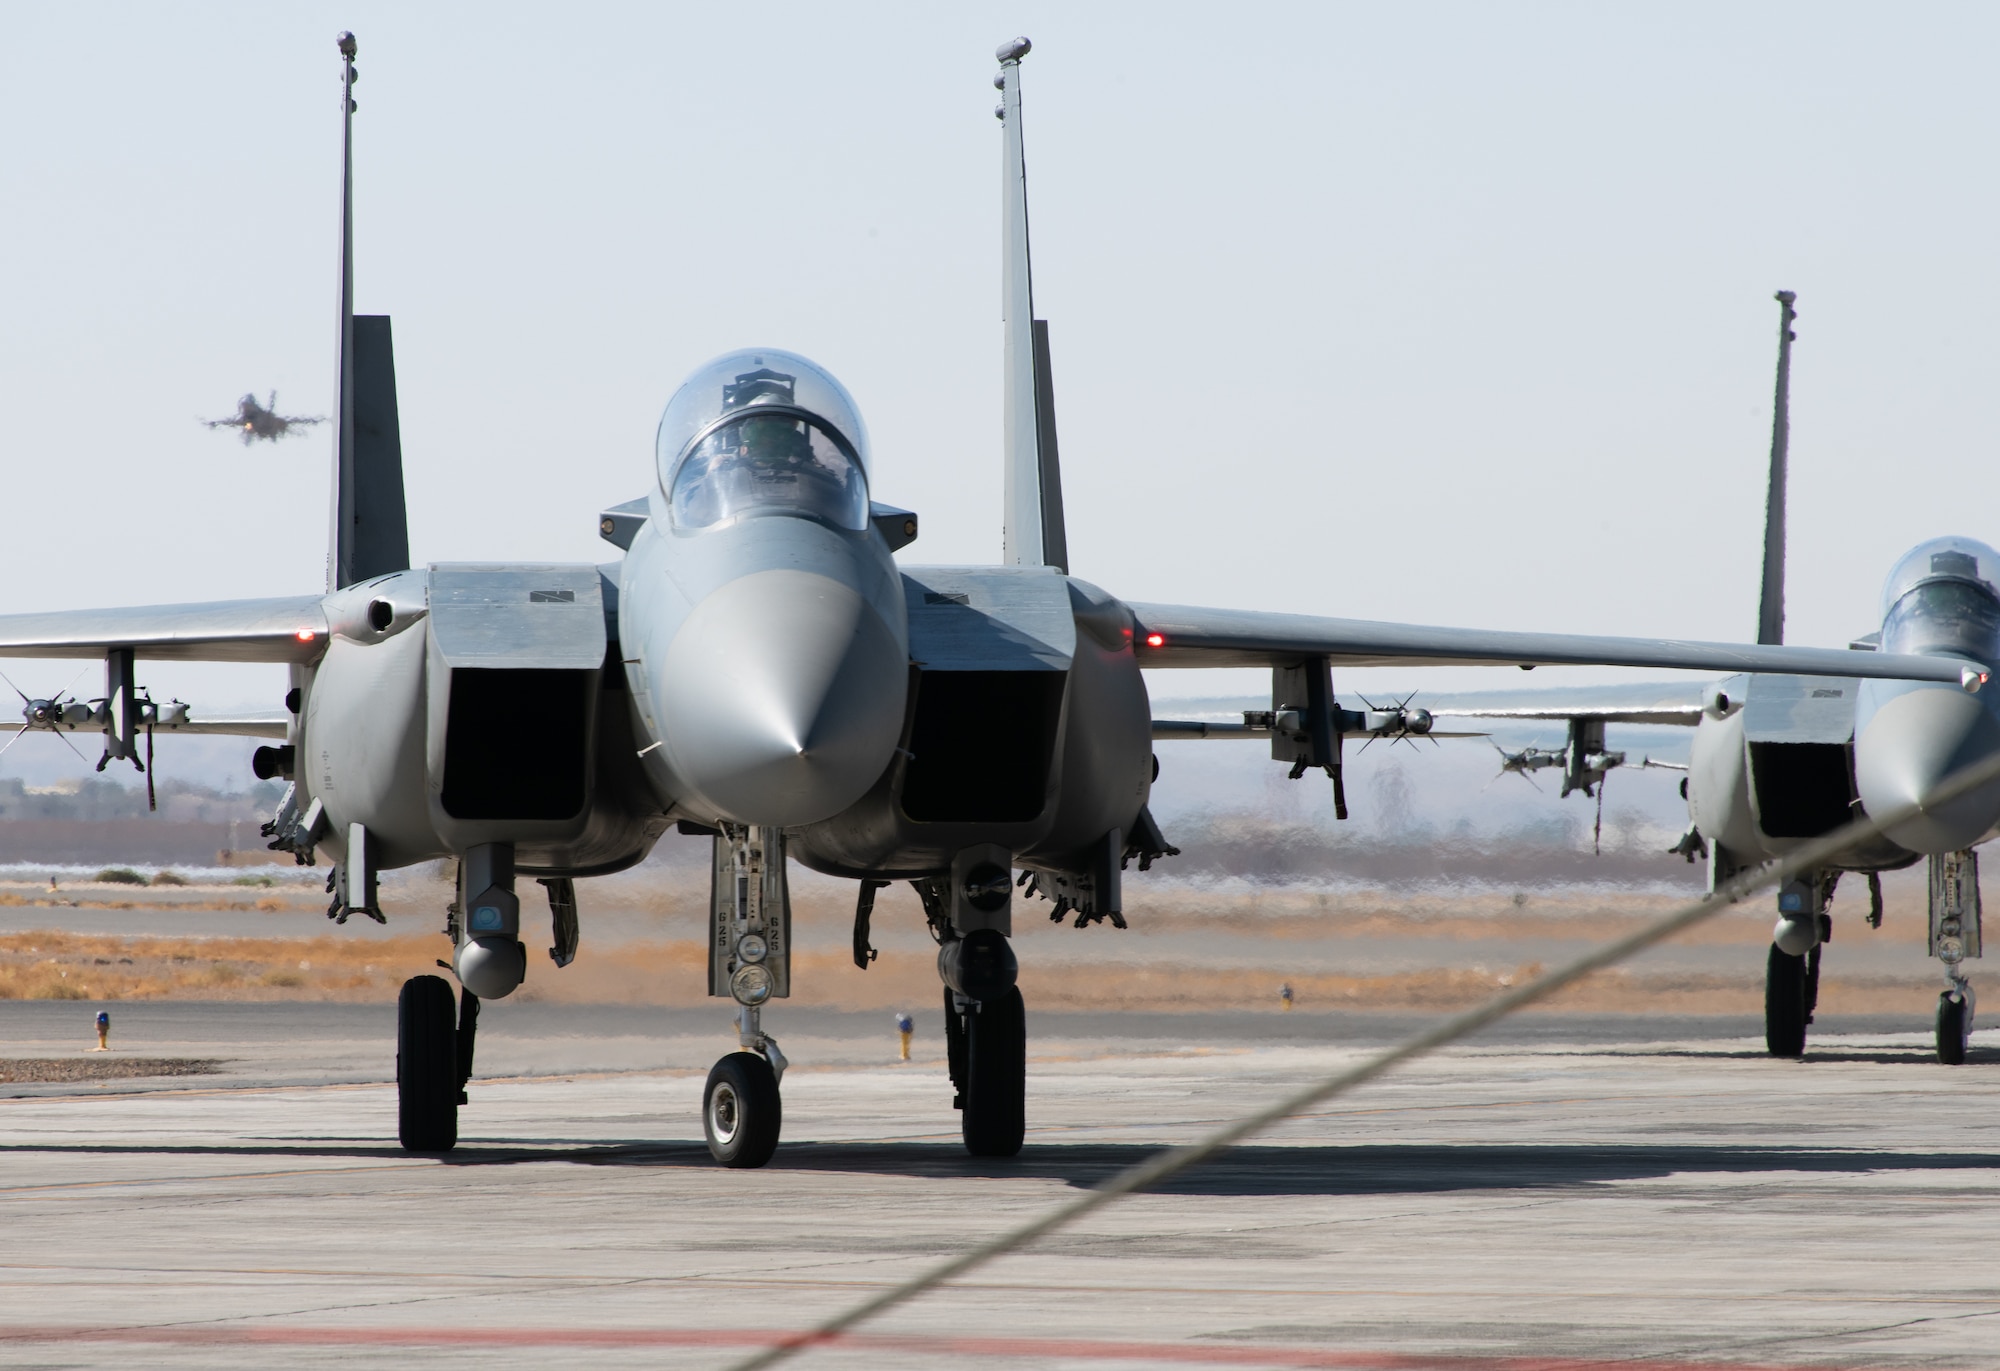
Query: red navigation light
<point x="304" y="635"/>
<point x="1156" y="640"/>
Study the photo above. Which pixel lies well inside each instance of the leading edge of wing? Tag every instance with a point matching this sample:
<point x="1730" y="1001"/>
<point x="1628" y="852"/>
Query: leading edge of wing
<point x="1191" y="636"/>
<point x="290" y="629"/>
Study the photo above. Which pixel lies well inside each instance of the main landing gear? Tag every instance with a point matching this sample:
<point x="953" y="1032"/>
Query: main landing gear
<point x="1791" y="973"/>
<point x="986" y="1046"/>
<point x="971" y="913"/>
<point x="433" y="1062"/>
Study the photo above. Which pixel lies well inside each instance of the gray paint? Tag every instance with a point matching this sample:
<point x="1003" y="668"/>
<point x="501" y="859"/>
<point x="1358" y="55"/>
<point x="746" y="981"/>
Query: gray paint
<point x="989" y="618"/>
<point x="502" y="615"/>
<point x="1799" y="709"/>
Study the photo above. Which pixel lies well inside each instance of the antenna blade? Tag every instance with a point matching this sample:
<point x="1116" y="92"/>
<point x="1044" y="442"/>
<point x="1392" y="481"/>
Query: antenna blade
<point x="1771" y="603"/>
<point x="1022" y="537"/>
<point x="343" y="381"/>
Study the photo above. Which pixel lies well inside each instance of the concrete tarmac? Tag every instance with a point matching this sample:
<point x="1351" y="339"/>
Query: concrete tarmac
<point x="1598" y="1190"/>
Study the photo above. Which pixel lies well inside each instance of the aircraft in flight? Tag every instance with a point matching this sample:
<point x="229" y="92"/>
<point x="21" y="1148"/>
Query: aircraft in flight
<point x="756" y="667"/>
<point x="256" y="421"/>
<point x="1778" y="760"/>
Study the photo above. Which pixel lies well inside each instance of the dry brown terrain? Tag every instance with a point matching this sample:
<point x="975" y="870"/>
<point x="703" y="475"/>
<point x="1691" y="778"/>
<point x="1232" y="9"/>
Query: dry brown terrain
<point x="1189" y="949"/>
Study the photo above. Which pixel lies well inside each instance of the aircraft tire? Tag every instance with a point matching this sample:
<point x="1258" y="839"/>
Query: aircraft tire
<point x="996" y="1076"/>
<point x="427" y="1084"/>
<point x="741" y="1110"/>
<point x="1785" y="993"/>
<point x="1952" y="1029"/>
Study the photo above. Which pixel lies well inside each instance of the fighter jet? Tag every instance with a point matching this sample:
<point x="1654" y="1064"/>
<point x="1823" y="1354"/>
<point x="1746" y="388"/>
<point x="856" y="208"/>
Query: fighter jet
<point x="755" y="667"/>
<point x="255" y="421"/>
<point x="1778" y="760"/>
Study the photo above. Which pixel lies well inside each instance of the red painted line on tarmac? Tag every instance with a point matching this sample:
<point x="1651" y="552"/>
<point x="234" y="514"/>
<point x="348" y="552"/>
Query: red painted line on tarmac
<point x="1085" y="1349"/>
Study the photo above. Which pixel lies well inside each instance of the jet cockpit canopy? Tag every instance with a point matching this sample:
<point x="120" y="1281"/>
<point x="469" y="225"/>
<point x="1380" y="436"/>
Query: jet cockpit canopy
<point x="1943" y="597"/>
<point x="759" y="432"/>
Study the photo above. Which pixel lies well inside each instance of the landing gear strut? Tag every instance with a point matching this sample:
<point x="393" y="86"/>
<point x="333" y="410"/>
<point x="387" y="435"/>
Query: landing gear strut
<point x="750" y="936"/>
<point x="986" y="1028"/>
<point x="433" y="1062"/>
<point x="1791" y="974"/>
<point x="1954" y="910"/>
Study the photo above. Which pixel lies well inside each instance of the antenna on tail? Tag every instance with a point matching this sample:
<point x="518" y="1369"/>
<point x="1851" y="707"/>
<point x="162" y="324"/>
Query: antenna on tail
<point x="370" y="530"/>
<point x="1771" y="606"/>
<point x="1033" y="533"/>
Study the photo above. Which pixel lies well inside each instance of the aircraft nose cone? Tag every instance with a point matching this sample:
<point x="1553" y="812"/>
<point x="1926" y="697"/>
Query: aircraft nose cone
<point x="781" y="698"/>
<point x="1914" y="742"/>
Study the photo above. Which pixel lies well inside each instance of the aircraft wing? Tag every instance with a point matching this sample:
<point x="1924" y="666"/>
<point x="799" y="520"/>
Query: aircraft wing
<point x="1684" y="716"/>
<point x="291" y="629"/>
<point x="249" y="724"/>
<point x="1191" y="636"/>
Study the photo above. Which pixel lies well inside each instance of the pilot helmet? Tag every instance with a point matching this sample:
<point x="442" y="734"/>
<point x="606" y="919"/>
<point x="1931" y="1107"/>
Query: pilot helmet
<point x="1963" y="561"/>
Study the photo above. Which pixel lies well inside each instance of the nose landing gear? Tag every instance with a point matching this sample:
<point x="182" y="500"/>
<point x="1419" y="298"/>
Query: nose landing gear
<point x="750" y="937"/>
<point x="1954" y="910"/>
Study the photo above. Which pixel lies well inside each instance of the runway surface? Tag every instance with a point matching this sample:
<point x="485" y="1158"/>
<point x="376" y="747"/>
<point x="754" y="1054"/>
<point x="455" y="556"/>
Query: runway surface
<point x="1569" y="1191"/>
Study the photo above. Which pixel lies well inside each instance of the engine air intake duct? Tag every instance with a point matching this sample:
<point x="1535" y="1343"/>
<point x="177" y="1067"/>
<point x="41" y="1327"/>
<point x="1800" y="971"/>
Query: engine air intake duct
<point x="517" y="743"/>
<point x="981" y="745"/>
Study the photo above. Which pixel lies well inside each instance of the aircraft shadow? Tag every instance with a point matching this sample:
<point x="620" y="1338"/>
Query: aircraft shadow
<point x="1256" y="1169"/>
<point x="1925" y="1055"/>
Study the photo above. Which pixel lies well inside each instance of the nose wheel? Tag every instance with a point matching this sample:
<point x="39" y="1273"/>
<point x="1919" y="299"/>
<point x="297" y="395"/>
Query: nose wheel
<point x="741" y="1112"/>
<point x="1954" y="1027"/>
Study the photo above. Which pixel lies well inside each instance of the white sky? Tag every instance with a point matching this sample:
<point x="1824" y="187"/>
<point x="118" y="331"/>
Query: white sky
<point x="1454" y="314"/>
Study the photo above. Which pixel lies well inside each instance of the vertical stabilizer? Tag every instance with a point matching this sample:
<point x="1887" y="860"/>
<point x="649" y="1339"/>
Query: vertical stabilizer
<point x="369" y="532"/>
<point x="1033" y="533"/>
<point x="1771" y="604"/>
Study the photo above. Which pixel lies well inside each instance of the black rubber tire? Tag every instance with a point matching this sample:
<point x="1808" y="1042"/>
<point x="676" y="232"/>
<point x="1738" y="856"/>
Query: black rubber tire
<point x="954" y="1048"/>
<point x="1952" y="1030"/>
<point x="427" y="1084"/>
<point x="996" y="1076"/>
<point x="741" y="1112"/>
<point x="1785" y="1004"/>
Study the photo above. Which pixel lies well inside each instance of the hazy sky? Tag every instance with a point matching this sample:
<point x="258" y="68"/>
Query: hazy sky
<point x="1456" y="314"/>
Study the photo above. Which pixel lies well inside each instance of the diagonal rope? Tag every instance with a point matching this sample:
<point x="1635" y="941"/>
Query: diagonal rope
<point x="1150" y="1173"/>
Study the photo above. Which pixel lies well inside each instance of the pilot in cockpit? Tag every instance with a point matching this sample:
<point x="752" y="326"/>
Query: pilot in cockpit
<point x="768" y="463"/>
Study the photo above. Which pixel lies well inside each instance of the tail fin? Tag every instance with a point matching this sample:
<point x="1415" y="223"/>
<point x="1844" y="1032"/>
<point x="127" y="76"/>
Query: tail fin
<point x="370" y="529"/>
<point x="1771" y="606"/>
<point x="1034" y="533"/>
